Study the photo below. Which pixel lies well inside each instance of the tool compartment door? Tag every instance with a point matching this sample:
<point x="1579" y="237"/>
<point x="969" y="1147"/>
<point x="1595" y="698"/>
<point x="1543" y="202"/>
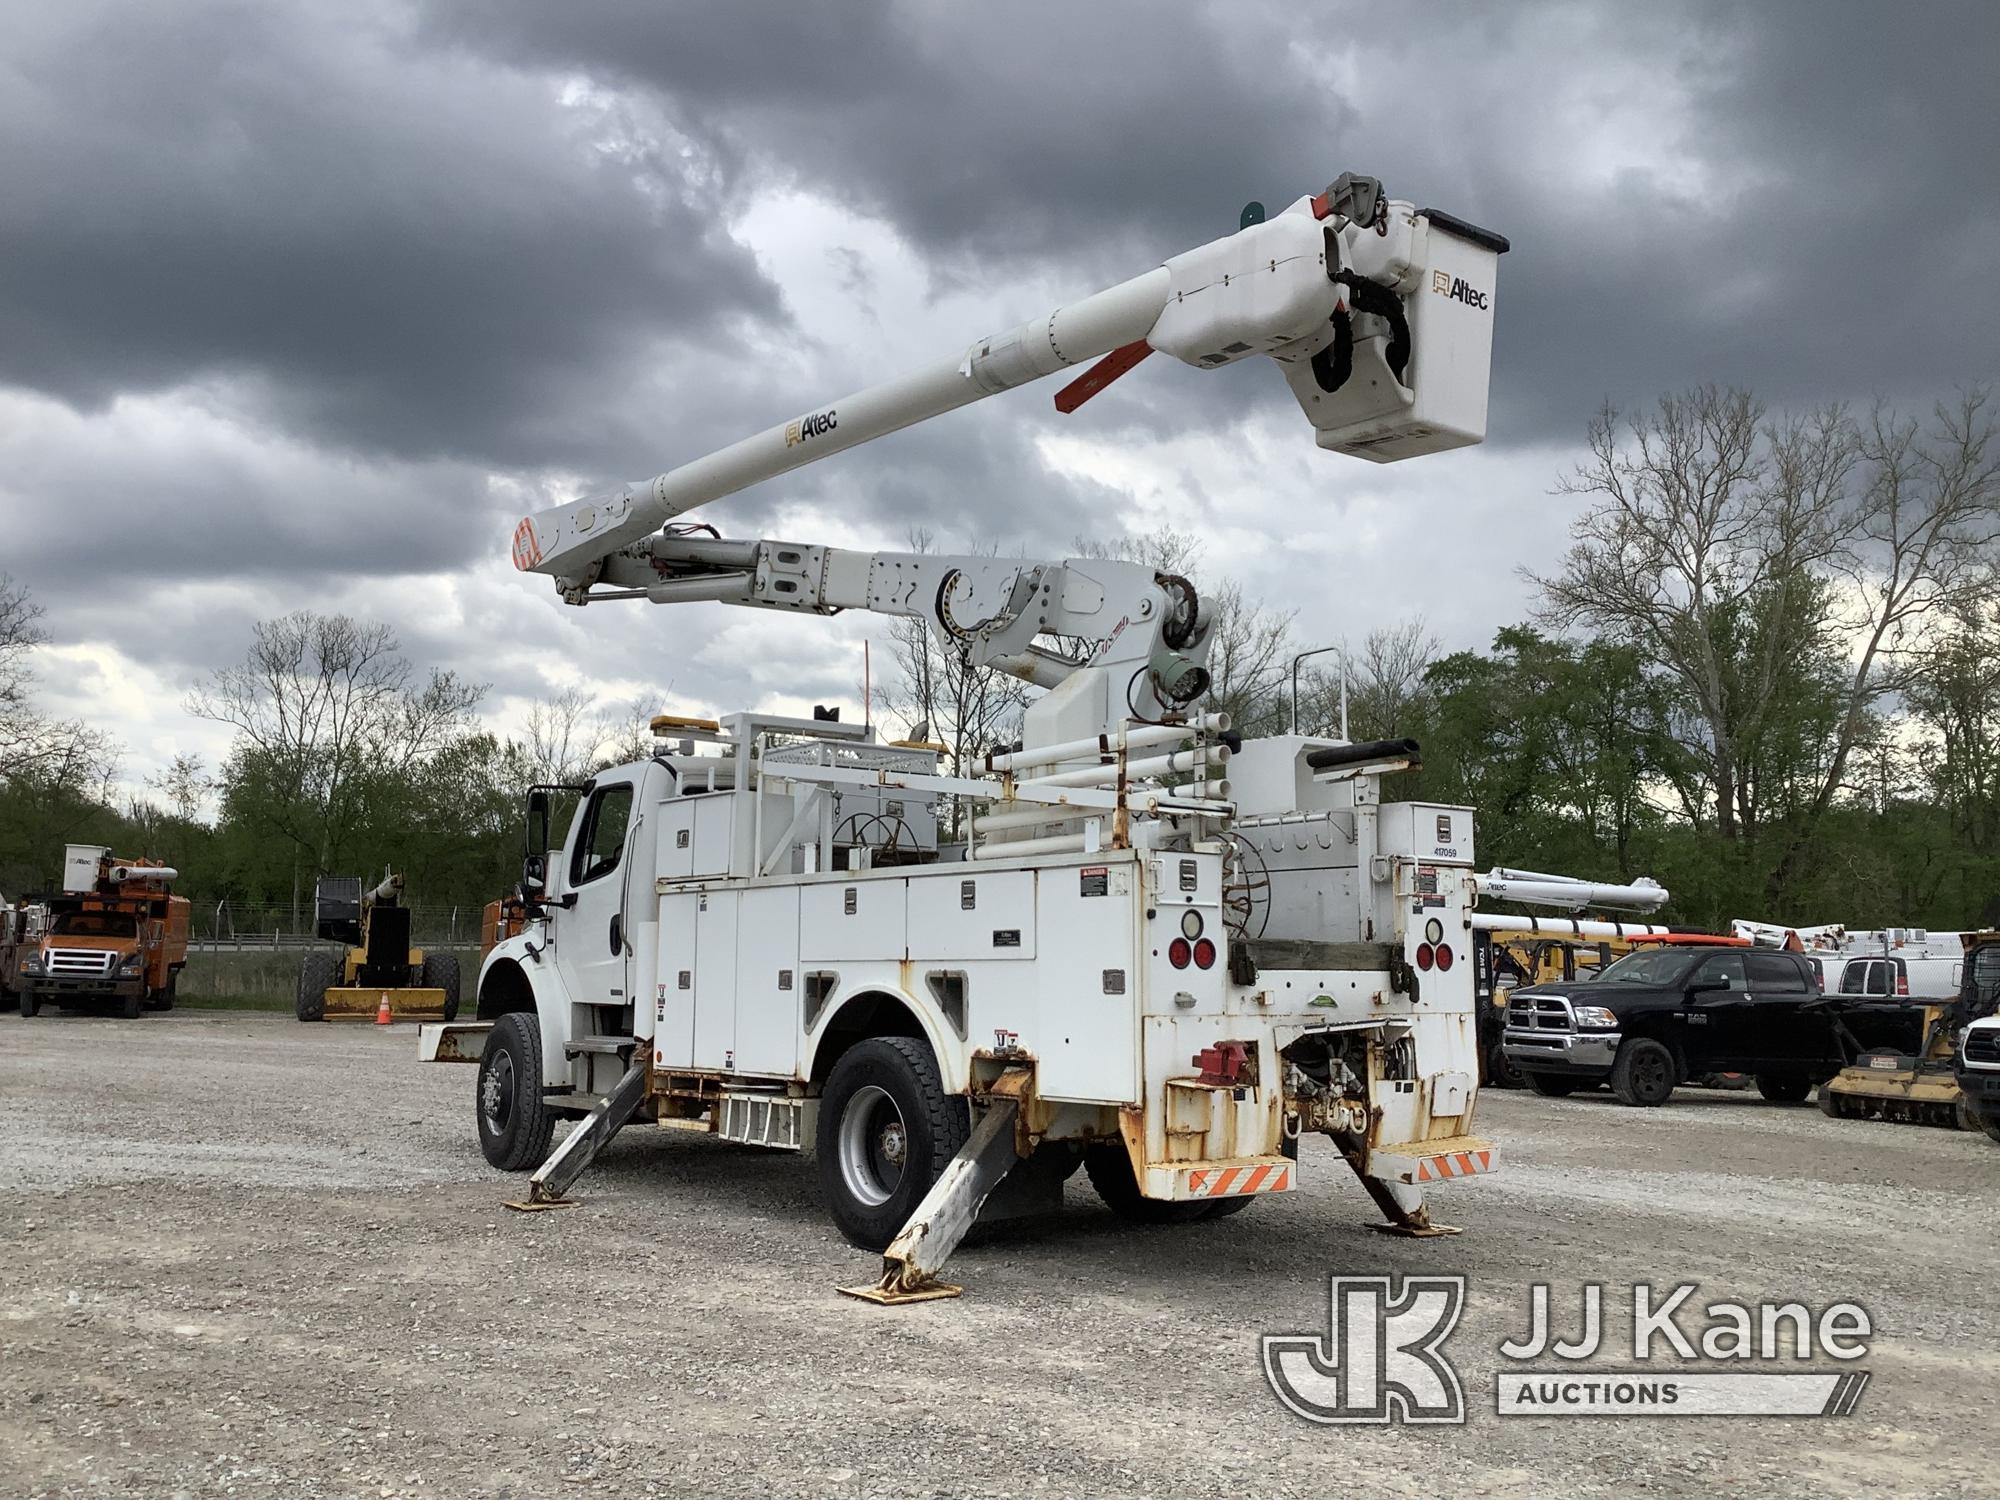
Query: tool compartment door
<point x="767" y="981"/>
<point x="1089" y="974"/>
<point x="673" y="988"/>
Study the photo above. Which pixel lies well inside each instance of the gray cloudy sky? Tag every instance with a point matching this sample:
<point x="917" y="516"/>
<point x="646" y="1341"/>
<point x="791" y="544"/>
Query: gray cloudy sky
<point x="301" y="305"/>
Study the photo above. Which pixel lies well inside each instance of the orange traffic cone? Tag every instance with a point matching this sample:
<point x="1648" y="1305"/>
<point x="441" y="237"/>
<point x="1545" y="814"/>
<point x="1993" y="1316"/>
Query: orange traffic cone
<point x="382" y="1017"/>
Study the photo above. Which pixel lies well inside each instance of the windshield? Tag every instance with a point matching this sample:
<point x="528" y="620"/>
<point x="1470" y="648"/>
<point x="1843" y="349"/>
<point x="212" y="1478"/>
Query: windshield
<point x="1646" y="966"/>
<point x="112" y="924"/>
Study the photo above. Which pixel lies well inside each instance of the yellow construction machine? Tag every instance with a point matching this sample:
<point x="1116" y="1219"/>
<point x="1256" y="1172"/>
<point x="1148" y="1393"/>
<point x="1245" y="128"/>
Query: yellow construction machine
<point x="1891" y="1080"/>
<point x="375" y="964"/>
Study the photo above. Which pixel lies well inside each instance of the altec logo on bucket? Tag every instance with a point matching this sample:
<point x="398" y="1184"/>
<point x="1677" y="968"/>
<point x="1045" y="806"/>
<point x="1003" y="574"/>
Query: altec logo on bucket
<point x="1382" y="1357"/>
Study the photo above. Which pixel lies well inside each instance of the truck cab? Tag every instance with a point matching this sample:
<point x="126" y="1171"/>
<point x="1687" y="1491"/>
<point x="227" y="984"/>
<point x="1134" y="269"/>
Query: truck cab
<point x="114" y="936"/>
<point x="1662" y="1015"/>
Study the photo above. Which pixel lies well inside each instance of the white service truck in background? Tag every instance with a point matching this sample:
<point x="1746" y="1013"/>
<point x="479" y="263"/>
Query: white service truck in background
<point x="1158" y="951"/>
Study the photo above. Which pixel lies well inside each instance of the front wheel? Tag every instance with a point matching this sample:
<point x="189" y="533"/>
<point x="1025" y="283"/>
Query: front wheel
<point x="1551" y="1085"/>
<point x="1502" y="1072"/>
<point x="1644" y="1075"/>
<point x="30" y="1002"/>
<point x="1784" y="1088"/>
<point x="318" y="973"/>
<point x="131" y="1005"/>
<point x="887" y="1131"/>
<point x="515" y="1121"/>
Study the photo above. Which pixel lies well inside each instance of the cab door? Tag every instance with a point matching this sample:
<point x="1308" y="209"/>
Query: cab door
<point x="1718" y="1012"/>
<point x="592" y="945"/>
<point x="1782" y="1029"/>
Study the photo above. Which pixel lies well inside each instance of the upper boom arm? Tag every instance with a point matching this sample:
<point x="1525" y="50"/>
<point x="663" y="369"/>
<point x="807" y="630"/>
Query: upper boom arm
<point x="1379" y="313"/>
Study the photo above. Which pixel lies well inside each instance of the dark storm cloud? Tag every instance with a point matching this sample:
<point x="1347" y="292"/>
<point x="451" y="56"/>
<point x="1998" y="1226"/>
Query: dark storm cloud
<point x="300" y="304"/>
<point x="1753" y="235"/>
<point x="412" y="251"/>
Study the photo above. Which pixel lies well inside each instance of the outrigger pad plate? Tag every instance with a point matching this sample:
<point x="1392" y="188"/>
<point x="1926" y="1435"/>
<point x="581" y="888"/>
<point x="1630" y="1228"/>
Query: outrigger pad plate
<point x="527" y="1206"/>
<point x="929" y="1292"/>
<point x="1417" y="1232"/>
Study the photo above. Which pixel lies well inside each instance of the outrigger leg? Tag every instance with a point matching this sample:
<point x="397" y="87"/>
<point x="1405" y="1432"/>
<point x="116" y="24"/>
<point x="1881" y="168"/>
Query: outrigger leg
<point x="911" y="1264"/>
<point x="566" y="1163"/>
<point x="1402" y="1204"/>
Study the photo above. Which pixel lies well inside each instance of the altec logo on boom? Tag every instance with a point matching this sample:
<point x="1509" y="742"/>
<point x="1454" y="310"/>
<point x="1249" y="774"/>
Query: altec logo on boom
<point x="819" y="423"/>
<point x="1459" y="290"/>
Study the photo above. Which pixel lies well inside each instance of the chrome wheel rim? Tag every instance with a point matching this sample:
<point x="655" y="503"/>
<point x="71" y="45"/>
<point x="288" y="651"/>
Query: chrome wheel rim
<point x="496" y="1094"/>
<point x="874" y="1145"/>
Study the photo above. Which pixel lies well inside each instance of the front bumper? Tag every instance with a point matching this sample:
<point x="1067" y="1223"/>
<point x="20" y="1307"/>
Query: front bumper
<point x="58" y="989"/>
<point x="1981" y="1085"/>
<point x="1536" y="1051"/>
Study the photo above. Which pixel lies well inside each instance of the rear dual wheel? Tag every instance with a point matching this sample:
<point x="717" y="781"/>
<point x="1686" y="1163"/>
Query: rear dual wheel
<point x="1110" y="1169"/>
<point x="887" y="1131"/>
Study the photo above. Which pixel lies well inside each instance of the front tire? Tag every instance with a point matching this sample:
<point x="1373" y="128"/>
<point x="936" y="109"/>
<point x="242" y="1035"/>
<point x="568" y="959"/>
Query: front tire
<point x="440" y="972"/>
<point x="1502" y="1072"/>
<point x="1784" y="1088"/>
<point x="1644" y="1075"/>
<point x="515" y="1121"/>
<point x="30" y="1002"/>
<point x="887" y="1131"/>
<point x="1551" y="1085"/>
<point x="131" y="1005"/>
<point x="317" y="972"/>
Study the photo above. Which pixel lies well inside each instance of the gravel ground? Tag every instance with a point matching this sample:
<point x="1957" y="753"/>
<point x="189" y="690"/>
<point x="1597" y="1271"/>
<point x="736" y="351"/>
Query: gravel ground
<point x="249" y="1257"/>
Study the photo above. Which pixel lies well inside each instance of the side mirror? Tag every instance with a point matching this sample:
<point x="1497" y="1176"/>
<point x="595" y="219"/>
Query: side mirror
<point x="538" y="821"/>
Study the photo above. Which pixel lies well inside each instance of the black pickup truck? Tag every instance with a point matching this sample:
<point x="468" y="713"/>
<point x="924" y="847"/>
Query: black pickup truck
<point x="1661" y="1016"/>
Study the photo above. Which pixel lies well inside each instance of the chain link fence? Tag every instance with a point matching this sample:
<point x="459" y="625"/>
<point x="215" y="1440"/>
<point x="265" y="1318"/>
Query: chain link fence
<point x="227" y="925"/>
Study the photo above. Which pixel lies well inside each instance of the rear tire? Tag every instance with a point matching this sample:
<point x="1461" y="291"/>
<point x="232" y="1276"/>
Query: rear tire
<point x="441" y="973"/>
<point x="1551" y="1085"/>
<point x="317" y="972"/>
<point x="1110" y="1169"/>
<point x="515" y="1121"/>
<point x="1224" y="1207"/>
<point x="1785" y="1088"/>
<point x="887" y="1131"/>
<point x="1644" y="1074"/>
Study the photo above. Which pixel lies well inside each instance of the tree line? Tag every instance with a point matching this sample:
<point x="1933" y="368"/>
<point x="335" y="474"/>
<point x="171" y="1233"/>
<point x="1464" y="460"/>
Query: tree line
<point x="1765" y="671"/>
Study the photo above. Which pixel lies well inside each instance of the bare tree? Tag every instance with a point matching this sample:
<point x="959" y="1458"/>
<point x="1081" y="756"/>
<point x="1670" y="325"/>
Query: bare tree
<point x="323" y="705"/>
<point x="55" y="754"/>
<point x="184" y="785"/>
<point x="566" y="730"/>
<point x="1721" y="544"/>
<point x="1385" y="682"/>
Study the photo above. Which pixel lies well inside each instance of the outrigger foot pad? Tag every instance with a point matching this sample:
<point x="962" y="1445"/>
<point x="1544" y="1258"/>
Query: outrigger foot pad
<point x="530" y="1206"/>
<point x="885" y="1293"/>
<point x="1417" y="1231"/>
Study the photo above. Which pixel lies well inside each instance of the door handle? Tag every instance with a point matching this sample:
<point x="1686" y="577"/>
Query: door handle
<point x="617" y="934"/>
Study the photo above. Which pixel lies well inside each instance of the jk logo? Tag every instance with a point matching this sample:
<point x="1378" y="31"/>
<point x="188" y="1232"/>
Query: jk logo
<point x="1379" y="1360"/>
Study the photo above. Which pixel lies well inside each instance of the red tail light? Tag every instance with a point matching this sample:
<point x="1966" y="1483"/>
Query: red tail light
<point x="1902" y="984"/>
<point x="1204" y="954"/>
<point x="1178" y="953"/>
<point x="1444" y="956"/>
<point x="1426" y="956"/>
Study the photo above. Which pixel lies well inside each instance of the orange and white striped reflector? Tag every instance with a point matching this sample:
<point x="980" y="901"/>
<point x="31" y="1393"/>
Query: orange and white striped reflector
<point x="1453" y="1164"/>
<point x="1236" y="1182"/>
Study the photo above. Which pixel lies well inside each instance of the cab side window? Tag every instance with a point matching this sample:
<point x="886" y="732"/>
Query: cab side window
<point x="1721" y="969"/>
<point x="1769" y="971"/>
<point x="602" y="839"/>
